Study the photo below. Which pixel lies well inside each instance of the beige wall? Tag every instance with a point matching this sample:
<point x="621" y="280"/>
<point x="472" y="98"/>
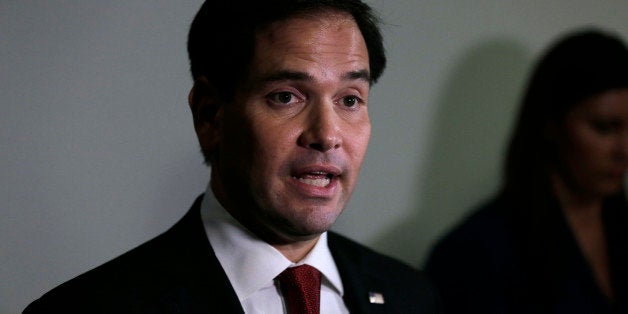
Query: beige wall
<point x="99" y="154"/>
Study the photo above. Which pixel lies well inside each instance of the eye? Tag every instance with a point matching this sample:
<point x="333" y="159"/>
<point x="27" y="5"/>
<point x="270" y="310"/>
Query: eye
<point x="283" y="98"/>
<point x="351" y="101"/>
<point x="604" y="126"/>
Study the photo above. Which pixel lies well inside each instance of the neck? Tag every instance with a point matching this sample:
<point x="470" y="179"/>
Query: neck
<point x="584" y="216"/>
<point x="296" y="251"/>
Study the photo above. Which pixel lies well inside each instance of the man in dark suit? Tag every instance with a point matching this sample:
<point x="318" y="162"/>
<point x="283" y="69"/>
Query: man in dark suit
<point x="280" y="109"/>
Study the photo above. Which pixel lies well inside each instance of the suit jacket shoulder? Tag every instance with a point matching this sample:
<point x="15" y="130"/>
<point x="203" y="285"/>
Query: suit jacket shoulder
<point x="367" y="274"/>
<point x="176" y="272"/>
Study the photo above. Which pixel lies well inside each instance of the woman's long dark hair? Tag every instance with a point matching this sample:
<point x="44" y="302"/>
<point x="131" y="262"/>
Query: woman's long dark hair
<point x="578" y="66"/>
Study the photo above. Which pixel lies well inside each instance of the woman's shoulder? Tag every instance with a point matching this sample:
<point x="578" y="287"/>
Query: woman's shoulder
<point x="483" y="236"/>
<point x="487" y="223"/>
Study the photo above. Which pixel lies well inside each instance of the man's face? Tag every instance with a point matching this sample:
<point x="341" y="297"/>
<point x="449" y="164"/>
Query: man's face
<point x="292" y="143"/>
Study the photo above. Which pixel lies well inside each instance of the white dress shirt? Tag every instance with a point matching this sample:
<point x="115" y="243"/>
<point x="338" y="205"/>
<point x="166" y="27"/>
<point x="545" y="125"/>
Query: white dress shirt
<point x="251" y="264"/>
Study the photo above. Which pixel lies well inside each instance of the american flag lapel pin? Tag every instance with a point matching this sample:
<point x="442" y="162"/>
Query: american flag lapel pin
<point x="376" y="298"/>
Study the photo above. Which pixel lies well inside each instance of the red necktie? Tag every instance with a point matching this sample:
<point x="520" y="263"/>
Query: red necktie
<point x="301" y="287"/>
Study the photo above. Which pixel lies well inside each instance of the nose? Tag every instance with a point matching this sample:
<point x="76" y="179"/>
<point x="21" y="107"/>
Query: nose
<point x="322" y="128"/>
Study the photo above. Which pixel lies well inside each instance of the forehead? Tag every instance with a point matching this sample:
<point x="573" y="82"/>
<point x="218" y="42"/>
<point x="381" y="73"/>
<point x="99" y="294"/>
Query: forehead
<point x="321" y="20"/>
<point x="327" y="38"/>
<point x="612" y="102"/>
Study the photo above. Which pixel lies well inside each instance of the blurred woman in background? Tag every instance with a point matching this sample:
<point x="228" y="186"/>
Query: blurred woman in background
<point x="555" y="238"/>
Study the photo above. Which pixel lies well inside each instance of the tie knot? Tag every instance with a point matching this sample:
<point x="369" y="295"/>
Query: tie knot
<point x="300" y="287"/>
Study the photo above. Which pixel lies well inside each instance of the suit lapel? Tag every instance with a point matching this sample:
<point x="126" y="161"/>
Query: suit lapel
<point x="204" y="286"/>
<point x="357" y="278"/>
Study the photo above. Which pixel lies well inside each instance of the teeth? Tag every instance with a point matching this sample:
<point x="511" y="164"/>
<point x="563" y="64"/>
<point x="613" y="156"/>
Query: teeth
<point x="319" y="182"/>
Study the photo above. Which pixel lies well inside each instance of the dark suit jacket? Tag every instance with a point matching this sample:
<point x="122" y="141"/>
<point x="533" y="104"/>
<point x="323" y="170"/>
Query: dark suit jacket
<point x="178" y="272"/>
<point x="483" y="265"/>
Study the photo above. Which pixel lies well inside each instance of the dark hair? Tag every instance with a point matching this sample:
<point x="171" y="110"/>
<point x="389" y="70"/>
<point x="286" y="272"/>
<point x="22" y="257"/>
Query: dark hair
<point x="222" y="35"/>
<point x="580" y="65"/>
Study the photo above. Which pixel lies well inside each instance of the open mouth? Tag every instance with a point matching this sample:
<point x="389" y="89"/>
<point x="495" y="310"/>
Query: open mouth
<point x="316" y="178"/>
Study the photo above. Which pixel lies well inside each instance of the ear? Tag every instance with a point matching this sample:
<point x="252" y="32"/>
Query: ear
<point x="206" y="107"/>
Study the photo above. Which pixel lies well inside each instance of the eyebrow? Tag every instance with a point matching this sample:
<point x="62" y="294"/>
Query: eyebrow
<point x="363" y="75"/>
<point x="287" y="75"/>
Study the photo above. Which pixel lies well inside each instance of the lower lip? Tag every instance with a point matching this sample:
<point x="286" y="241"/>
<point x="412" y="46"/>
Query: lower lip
<point x="308" y="190"/>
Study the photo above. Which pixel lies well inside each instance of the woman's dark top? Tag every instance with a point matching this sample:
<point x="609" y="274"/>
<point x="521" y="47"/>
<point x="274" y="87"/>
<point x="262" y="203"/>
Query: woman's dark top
<point x="488" y="264"/>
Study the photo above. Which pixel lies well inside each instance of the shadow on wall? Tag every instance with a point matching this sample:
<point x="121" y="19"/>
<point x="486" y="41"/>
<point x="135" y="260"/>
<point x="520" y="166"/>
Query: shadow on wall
<point x="475" y="110"/>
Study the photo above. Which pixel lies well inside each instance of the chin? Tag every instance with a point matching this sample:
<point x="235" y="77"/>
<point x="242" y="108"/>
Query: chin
<point x="304" y="228"/>
<point x="610" y="189"/>
<point x="319" y="219"/>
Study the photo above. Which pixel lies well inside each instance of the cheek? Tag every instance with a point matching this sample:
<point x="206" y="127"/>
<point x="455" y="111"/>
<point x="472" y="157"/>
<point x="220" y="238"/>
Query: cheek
<point x="271" y="144"/>
<point x="586" y="150"/>
<point x="239" y="147"/>
<point x="365" y="138"/>
<point x="359" y="140"/>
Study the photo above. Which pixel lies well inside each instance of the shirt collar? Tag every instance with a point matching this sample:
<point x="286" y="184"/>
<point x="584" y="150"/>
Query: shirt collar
<point x="249" y="262"/>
